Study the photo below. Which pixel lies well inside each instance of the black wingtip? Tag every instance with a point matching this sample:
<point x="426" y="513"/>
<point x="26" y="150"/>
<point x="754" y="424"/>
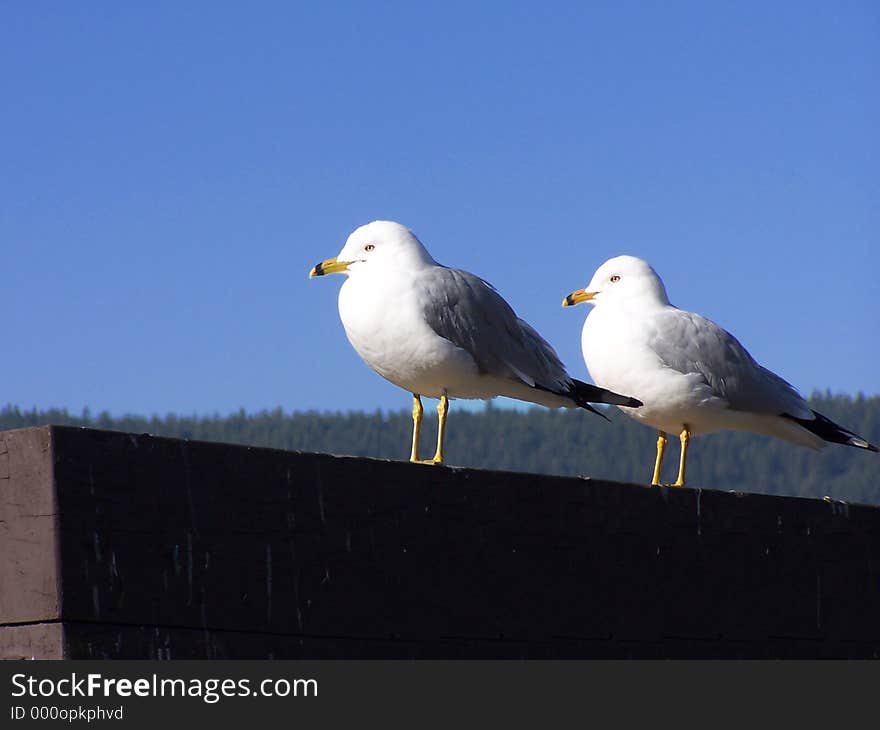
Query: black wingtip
<point x="584" y="394"/>
<point x="828" y="430"/>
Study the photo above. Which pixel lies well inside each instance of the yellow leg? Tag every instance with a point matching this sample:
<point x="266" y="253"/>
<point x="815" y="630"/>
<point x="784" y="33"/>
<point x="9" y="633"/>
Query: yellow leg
<point x="661" y="449"/>
<point x="442" y="409"/>
<point x="417" y="426"/>
<point x="684" y="436"/>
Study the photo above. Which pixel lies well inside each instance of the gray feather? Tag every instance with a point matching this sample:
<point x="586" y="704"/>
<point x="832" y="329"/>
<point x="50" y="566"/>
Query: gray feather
<point x="468" y="312"/>
<point x="689" y="343"/>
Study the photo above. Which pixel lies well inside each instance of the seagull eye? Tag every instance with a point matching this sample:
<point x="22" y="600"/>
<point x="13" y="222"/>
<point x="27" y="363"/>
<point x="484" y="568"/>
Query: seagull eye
<point x="369" y="247"/>
<point x="615" y="279"/>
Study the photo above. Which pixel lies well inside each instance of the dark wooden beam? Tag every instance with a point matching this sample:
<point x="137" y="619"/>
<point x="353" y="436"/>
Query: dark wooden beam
<point x="123" y="546"/>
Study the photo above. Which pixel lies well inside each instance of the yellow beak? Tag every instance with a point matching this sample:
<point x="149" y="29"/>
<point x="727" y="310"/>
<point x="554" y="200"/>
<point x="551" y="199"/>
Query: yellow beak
<point x="330" y="266"/>
<point x="576" y="297"/>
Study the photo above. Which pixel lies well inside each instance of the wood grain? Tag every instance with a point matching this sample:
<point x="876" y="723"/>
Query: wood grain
<point x="157" y="546"/>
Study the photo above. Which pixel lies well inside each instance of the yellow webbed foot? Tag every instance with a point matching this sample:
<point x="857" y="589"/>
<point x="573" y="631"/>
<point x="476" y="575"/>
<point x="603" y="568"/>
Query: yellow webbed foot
<point x="431" y="462"/>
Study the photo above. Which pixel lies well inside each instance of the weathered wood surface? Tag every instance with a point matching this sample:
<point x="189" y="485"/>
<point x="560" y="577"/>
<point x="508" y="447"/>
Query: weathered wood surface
<point x="150" y="547"/>
<point x="29" y="581"/>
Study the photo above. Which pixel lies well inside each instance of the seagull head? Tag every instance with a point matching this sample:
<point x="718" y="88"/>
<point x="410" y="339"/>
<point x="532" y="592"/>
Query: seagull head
<point x="621" y="279"/>
<point x="378" y="245"/>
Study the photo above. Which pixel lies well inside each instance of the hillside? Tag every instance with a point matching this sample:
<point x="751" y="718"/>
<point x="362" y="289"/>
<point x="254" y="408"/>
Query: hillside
<point x="542" y="441"/>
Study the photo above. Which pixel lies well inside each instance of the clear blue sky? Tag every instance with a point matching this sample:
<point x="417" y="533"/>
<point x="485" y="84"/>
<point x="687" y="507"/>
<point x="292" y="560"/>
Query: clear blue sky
<point x="170" y="171"/>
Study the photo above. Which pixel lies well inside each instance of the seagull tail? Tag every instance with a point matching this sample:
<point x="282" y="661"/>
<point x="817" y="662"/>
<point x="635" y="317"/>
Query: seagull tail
<point x="583" y="394"/>
<point x="828" y="430"/>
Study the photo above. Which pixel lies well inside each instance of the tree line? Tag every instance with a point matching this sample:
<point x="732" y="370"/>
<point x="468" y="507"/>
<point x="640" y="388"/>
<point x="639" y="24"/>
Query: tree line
<point x="538" y="440"/>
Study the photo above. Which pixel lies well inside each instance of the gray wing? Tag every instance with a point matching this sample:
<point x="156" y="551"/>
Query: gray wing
<point x="689" y="343"/>
<point x="468" y="312"/>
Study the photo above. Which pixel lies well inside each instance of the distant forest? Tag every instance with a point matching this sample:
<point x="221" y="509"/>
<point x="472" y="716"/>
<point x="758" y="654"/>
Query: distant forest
<point x="541" y="441"/>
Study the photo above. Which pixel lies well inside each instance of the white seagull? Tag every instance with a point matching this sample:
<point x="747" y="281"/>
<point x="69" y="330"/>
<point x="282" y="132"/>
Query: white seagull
<point x="693" y="376"/>
<point x="443" y="333"/>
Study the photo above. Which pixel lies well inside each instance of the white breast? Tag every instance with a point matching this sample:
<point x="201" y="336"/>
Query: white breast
<point x="617" y="354"/>
<point x="385" y="325"/>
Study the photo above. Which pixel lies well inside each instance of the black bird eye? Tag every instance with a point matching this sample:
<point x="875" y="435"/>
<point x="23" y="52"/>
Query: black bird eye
<point x="615" y="279"/>
<point x="369" y="247"/>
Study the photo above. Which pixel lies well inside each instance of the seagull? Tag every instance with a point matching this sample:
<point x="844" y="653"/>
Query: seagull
<point x="443" y="333"/>
<point x="693" y="376"/>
